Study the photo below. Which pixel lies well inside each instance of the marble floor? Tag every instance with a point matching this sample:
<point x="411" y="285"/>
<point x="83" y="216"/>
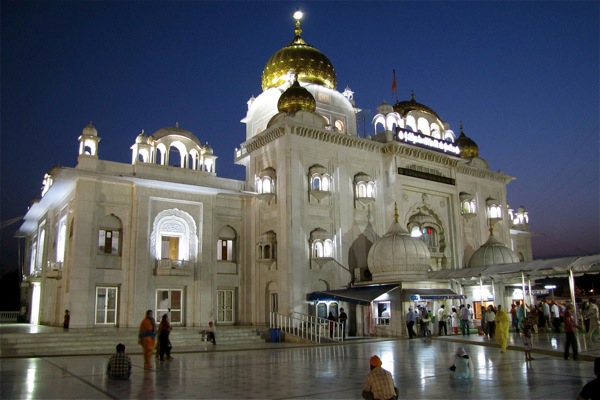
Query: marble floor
<point x="284" y="371"/>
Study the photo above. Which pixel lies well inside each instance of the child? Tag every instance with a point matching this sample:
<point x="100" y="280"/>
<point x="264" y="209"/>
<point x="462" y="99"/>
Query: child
<point x="527" y="329"/>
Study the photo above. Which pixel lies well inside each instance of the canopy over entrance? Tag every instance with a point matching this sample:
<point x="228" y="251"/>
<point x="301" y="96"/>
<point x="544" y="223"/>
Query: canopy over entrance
<point x="363" y="295"/>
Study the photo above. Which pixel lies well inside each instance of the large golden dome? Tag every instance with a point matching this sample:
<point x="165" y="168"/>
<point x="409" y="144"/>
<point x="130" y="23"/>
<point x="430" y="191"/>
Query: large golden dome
<point x="296" y="98"/>
<point x="307" y="62"/>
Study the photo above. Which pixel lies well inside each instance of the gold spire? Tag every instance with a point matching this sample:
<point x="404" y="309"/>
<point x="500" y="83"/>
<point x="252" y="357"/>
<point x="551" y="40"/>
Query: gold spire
<point x="298" y="16"/>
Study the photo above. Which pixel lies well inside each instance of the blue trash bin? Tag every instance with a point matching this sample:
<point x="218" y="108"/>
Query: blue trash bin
<point x="274" y="335"/>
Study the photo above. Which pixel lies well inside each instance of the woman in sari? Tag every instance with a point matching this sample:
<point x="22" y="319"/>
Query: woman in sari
<point x="502" y="325"/>
<point x="146" y="338"/>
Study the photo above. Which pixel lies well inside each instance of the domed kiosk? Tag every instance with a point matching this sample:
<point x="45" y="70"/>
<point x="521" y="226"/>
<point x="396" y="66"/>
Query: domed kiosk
<point x="398" y="257"/>
<point x="492" y="252"/>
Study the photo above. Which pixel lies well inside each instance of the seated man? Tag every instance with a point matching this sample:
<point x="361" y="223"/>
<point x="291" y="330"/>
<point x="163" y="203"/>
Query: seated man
<point x="380" y="383"/>
<point x="119" y="365"/>
<point x="592" y="388"/>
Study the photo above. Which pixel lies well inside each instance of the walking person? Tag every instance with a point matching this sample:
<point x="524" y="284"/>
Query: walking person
<point x="343" y="318"/>
<point x="555" y="312"/>
<point x="331" y="319"/>
<point x="66" y="320"/>
<point x="514" y="318"/>
<point x="164" y="331"/>
<point x="464" y="320"/>
<point x="146" y="338"/>
<point x="527" y="329"/>
<point x="442" y="315"/>
<point x="592" y="312"/>
<point x="502" y="325"/>
<point x="411" y="318"/>
<point x="454" y="320"/>
<point x="490" y="318"/>
<point x="484" y="327"/>
<point x="546" y="310"/>
<point x="211" y="333"/>
<point x="570" y="330"/>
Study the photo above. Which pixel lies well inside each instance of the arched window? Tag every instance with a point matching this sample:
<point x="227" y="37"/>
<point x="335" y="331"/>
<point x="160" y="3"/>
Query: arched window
<point x="109" y="235"/>
<point x="321" y="244"/>
<point x="174" y="236"/>
<point x="339" y="126"/>
<point x="319" y="181"/>
<point x="430" y="237"/>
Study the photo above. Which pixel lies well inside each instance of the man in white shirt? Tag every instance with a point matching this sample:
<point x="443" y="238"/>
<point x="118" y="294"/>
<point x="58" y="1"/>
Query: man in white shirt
<point x="555" y="311"/>
<point x="546" y="311"/>
<point x="441" y="316"/>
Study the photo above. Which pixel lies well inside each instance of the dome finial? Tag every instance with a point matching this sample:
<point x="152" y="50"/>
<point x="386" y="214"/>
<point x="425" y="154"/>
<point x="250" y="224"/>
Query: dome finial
<point x="461" y="128"/>
<point x="412" y="95"/>
<point x="298" y="16"/>
<point x="395" y="213"/>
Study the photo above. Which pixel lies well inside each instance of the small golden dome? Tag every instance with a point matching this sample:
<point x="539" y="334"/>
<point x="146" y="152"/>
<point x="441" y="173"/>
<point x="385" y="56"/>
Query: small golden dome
<point x="468" y="147"/>
<point x="308" y="63"/>
<point x="404" y="107"/>
<point x="296" y="98"/>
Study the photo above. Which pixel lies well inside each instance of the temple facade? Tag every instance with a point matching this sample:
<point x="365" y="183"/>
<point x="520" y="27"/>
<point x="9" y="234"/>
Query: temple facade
<point x="326" y="218"/>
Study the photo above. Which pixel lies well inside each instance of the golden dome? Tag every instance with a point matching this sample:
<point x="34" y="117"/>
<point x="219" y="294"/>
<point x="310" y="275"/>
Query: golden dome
<point x="308" y="63"/>
<point x="404" y="107"/>
<point x="296" y="98"/>
<point x="468" y="148"/>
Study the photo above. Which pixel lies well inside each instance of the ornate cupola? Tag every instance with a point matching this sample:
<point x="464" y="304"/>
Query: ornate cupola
<point x="307" y="62"/>
<point x="397" y="256"/>
<point x="88" y="141"/>
<point x="468" y="148"/>
<point x="404" y="107"/>
<point x="296" y="98"/>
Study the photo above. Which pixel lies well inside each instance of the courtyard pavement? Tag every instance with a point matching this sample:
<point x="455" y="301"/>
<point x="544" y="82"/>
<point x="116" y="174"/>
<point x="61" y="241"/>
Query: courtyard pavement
<point x="325" y="371"/>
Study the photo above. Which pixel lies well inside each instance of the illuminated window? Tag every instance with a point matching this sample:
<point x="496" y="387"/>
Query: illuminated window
<point x="321" y="246"/>
<point x="169" y="248"/>
<point x="173" y="236"/>
<point x="339" y="126"/>
<point x="61" y="242"/>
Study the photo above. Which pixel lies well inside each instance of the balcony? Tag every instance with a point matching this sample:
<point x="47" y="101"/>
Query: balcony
<point x="173" y="268"/>
<point x="54" y="270"/>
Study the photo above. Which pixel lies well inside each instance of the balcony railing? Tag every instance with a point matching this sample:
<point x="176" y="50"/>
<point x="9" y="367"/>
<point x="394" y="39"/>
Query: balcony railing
<point x="54" y="269"/>
<point x="173" y="267"/>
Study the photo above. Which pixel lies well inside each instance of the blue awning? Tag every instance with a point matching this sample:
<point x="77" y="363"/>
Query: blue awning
<point x="363" y="295"/>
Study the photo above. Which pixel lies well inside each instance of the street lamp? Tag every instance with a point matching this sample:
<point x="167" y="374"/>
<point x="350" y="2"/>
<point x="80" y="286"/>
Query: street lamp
<point x="551" y="287"/>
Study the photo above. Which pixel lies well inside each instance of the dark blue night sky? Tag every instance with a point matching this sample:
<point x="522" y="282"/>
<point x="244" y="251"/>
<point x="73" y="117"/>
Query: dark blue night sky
<point x="523" y="77"/>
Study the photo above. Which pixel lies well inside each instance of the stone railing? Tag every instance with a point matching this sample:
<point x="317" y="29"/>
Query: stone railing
<point x="173" y="267"/>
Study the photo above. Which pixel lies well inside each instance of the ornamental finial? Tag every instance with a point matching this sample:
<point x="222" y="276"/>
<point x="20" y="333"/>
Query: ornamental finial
<point x="298" y="16"/>
<point x="396" y="213"/>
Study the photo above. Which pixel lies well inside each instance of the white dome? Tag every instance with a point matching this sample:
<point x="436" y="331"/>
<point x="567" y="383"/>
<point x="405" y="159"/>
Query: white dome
<point x="397" y="256"/>
<point x="492" y="252"/>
